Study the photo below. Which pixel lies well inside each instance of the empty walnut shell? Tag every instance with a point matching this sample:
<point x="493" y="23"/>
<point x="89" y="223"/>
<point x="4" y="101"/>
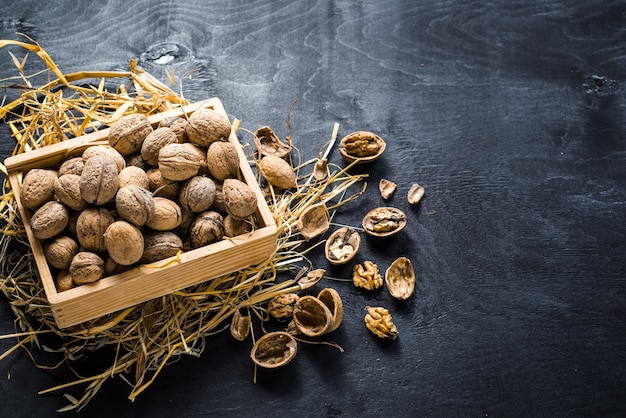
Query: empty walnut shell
<point x="386" y="188"/>
<point x="320" y="170"/>
<point x="400" y="278"/>
<point x="314" y="221"/>
<point x="274" y="349"/>
<point x="330" y="297"/>
<point x="362" y="146"/>
<point x="267" y="143"/>
<point x="240" y="326"/>
<point x="415" y="194"/>
<point x="311" y="278"/>
<point x="311" y="316"/>
<point x="342" y="245"/>
<point x="384" y="221"/>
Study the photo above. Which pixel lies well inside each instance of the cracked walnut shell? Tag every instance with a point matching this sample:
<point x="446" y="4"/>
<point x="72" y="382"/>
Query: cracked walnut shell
<point x="366" y="276"/>
<point x="274" y="349"/>
<point x="361" y="146"/>
<point x="384" y="221"/>
<point x="342" y="245"/>
<point x="380" y="323"/>
<point x="314" y="221"/>
<point x="267" y="143"/>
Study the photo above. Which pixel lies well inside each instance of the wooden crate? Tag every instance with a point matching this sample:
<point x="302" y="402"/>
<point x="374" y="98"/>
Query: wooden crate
<point x="142" y="283"/>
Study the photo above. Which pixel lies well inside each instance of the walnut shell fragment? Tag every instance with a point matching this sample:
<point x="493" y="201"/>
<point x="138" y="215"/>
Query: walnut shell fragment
<point x="380" y="323"/>
<point x="320" y="169"/>
<point x="274" y="349"/>
<point x="311" y="279"/>
<point x="314" y="221"/>
<point x="400" y="278"/>
<point x="361" y="146"/>
<point x="267" y="143"/>
<point x="386" y="188"/>
<point x="126" y="135"/>
<point x="384" y="221"/>
<point x="311" y="316"/>
<point x="415" y="194"/>
<point x="342" y="245"/>
<point x="366" y="276"/>
<point x="330" y="297"/>
<point x="240" y="326"/>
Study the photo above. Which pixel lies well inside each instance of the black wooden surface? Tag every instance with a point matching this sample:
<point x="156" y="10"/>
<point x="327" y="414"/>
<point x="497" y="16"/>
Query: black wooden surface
<point x="511" y="114"/>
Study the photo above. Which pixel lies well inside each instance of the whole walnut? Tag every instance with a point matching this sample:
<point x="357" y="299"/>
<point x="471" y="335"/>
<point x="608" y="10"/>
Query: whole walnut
<point x="37" y="187"/>
<point x="178" y="125"/>
<point x="160" y="245"/>
<point x="156" y="140"/>
<point x="239" y="198"/>
<point x="124" y="242"/>
<point x="134" y="204"/>
<point x="208" y="227"/>
<point x="198" y="193"/>
<point x="86" y="267"/>
<point x="206" y="126"/>
<point x="106" y="151"/>
<point x="181" y="161"/>
<point x="64" y="281"/>
<point x="126" y="135"/>
<point x="223" y="160"/>
<point x="133" y="175"/>
<point x="90" y="227"/>
<point x="218" y="204"/>
<point x="72" y="166"/>
<point x="98" y="181"/>
<point x="49" y="220"/>
<point x="167" y="215"/>
<point x="60" y="251"/>
<point x="136" y="160"/>
<point x="67" y="191"/>
<point x="162" y="187"/>
<point x="277" y="172"/>
<point x="234" y="227"/>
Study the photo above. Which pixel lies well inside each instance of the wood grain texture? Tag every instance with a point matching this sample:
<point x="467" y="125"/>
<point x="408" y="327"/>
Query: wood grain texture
<point x="512" y="116"/>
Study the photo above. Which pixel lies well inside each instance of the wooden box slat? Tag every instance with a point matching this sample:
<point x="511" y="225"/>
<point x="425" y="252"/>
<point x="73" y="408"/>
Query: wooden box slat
<point x="146" y="282"/>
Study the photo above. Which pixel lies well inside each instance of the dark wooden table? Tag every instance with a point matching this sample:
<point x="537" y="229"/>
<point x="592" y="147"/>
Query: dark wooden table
<point x="511" y="114"/>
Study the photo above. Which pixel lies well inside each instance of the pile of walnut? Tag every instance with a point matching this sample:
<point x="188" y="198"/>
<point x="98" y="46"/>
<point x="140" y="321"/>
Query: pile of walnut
<point x="148" y="195"/>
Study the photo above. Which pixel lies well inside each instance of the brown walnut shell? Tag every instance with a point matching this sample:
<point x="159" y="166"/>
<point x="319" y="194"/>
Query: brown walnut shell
<point x="133" y="175"/>
<point x="311" y="279"/>
<point x="361" y="146"/>
<point x="37" y="187"/>
<point x="311" y="316"/>
<point x="386" y="188"/>
<point x="67" y="191"/>
<point x="124" y="242"/>
<point x="72" y="166"/>
<point x="240" y="326"/>
<point x="134" y="204"/>
<point x="177" y="124"/>
<point x="240" y="200"/>
<point x="86" y="267"/>
<point x="281" y="306"/>
<point x="267" y="143"/>
<point x="274" y="349"/>
<point x="60" y="251"/>
<point x="160" y="245"/>
<point x="207" y="228"/>
<point x="49" y="220"/>
<point x="106" y="151"/>
<point x="384" y="221"/>
<point x="206" y="126"/>
<point x="400" y="278"/>
<point x="314" y="221"/>
<point x="415" y="194"/>
<point x="127" y="134"/>
<point x="90" y="227"/>
<point x="277" y="172"/>
<point x="223" y="160"/>
<point x="156" y="140"/>
<point x="234" y="227"/>
<point x="330" y="297"/>
<point x="198" y="193"/>
<point x="342" y="245"/>
<point x="181" y="161"/>
<point x="98" y="181"/>
<point x="64" y="281"/>
<point x="162" y="187"/>
<point x="167" y="215"/>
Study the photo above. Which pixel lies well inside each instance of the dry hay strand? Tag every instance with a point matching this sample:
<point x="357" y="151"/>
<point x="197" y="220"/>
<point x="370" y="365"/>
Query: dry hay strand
<point x="148" y="336"/>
